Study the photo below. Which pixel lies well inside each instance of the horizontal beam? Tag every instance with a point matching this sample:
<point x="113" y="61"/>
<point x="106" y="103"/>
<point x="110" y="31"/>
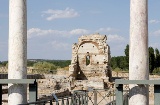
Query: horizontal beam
<point x="121" y="81"/>
<point x="17" y="81"/>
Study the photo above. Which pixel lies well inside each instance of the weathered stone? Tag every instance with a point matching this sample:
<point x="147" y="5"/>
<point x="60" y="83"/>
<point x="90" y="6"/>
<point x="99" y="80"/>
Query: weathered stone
<point x="17" y="55"/>
<point x="138" y="52"/>
<point x="90" y="58"/>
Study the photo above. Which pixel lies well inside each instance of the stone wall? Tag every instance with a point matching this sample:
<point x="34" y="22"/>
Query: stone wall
<point x="90" y="58"/>
<point x="29" y="76"/>
<point x="58" y="86"/>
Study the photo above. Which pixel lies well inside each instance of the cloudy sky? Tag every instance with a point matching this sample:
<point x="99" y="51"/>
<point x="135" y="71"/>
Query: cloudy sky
<point x="54" y="25"/>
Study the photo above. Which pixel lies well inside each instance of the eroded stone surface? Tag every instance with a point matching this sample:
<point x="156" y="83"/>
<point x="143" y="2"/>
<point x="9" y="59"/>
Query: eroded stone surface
<point x="90" y="58"/>
<point x="138" y="51"/>
<point x="17" y="55"/>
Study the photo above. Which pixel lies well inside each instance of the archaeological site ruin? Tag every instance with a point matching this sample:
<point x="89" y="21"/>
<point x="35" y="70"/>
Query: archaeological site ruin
<point x="89" y="71"/>
<point x="91" y="59"/>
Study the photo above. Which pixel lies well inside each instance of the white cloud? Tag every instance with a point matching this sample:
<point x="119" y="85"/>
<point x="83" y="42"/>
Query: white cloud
<point x="59" y="45"/>
<point x="56" y="14"/>
<point x="79" y="32"/>
<point x="115" y="38"/>
<point x="36" y="32"/>
<point x="154" y="21"/>
<point x="104" y="29"/>
<point x="117" y="43"/>
<point x="39" y="32"/>
<point x="33" y="32"/>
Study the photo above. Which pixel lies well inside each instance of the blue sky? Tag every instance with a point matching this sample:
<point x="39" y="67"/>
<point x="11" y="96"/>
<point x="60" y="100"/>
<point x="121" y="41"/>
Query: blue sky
<point x="54" y="25"/>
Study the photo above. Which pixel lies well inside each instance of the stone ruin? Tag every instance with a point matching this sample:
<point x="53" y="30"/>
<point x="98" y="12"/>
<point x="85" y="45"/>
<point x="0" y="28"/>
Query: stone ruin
<point x="90" y="68"/>
<point x="91" y="60"/>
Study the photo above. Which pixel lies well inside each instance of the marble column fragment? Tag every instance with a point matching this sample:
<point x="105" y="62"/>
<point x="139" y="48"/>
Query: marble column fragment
<point x="138" y="51"/>
<point x="17" y="56"/>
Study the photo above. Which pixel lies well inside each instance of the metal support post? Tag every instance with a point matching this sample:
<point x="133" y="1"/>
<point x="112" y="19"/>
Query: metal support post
<point x="95" y="97"/>
<point x="119" y="94"/>
<point x="51" y="102"/>
<point x="126" y="100"/>
<point x="86" y="98"/>
<point x="67" y="102"/>
<point x="33" y="92"/>
<point x="156" y="94"/>
<point x="1" y="92"/>
<point x="62" y="101"/>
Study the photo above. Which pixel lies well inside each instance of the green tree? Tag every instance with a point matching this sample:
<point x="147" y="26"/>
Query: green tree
<point x="157" y="58"/>
<point x="30" y="63"/>
<point x="118" y="62"/>
<point x="151" y="59"/>
<point x="122" y="62"/>
<point x="60" y="63"/>
<point x="45" y="66"/>
<point x="4" y="63"/>
<point x="114" y="62"/>
<point x="127" y="57"/>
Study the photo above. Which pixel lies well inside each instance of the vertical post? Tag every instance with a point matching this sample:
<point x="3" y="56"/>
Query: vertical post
<point x="156" y="94"/>
<point x="119" y="94"/>
<point x="67" y="101"/>
<point x="51" y="102"/>
<point x="33" y="92"/>
<point x="1" y="92"/>
<point x="86" y="98"/>
<point x="17" y="56"/>
<point x="125" y="99"/>
<point x="71" y="102"/>
<point x="82" y="102"/>
<point x="62" y="101"/>
<point x="95" y="97"/>
<point x="138" y="51"/>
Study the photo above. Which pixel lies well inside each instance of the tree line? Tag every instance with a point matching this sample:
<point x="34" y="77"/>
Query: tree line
<point x="43" y="64"/>
<point x="49" y="64"/>
<point x="122" y="62"/>
<point x="117" y="63"/>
